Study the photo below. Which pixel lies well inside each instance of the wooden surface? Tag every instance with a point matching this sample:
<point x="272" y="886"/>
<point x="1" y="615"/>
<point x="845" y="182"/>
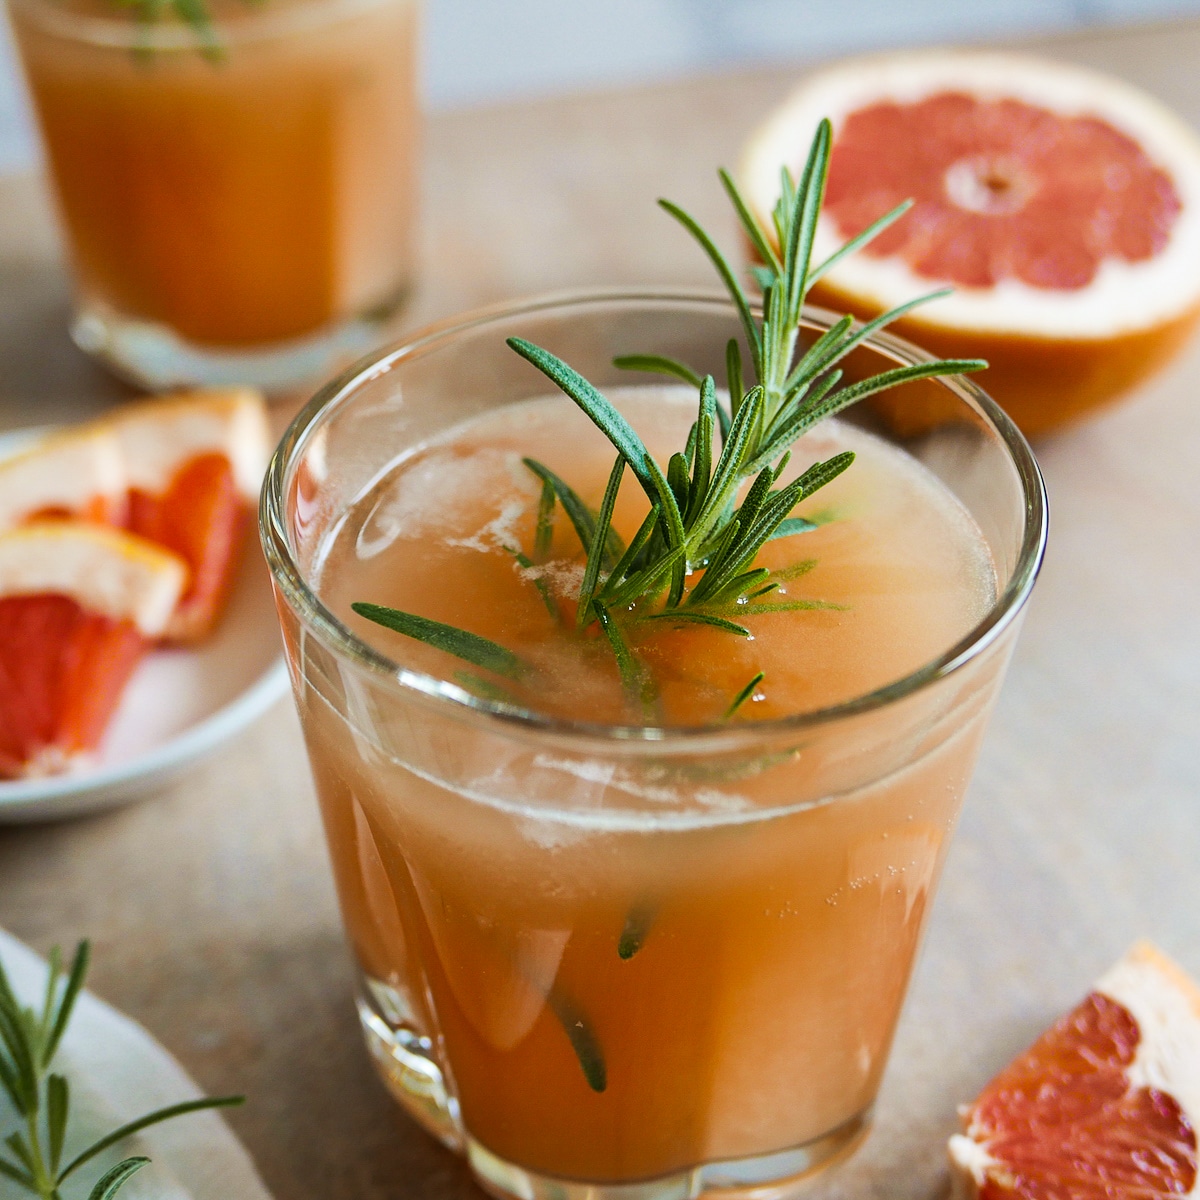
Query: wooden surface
<point x="211" y="908"/>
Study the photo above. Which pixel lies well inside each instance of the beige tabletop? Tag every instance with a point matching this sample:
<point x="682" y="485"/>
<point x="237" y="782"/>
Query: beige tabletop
<point x="210" y="905"/>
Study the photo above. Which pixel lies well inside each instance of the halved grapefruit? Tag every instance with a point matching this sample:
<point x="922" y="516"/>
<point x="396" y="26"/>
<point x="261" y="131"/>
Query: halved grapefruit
<point x="1062" y="205"/>
<point x="193" y="466"/>
<point x="79" y="606"/>
<point x="1103" y="1105"/>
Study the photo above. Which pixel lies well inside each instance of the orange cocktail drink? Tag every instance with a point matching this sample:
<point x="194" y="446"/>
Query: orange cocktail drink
<point x="606" y="946"/>
<point x="237" y="198"/>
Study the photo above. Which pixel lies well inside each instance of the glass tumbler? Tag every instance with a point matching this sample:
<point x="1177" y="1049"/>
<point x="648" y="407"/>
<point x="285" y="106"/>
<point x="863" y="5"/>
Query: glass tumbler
<point x="496" y="868"/>
<point x="237" y="197"/>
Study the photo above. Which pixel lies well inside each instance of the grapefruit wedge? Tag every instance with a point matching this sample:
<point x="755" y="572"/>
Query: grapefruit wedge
<point x="1061" y="205"/>
<point x="1104" y="1105"/>
<point x="193" y="466"/>
<point x="182" y="471"/>
<point x="79" y="606"/>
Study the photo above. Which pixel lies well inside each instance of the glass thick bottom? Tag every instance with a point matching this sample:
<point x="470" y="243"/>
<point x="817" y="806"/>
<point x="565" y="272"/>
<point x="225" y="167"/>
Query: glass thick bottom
<point x="154" y="356"/>
<point x="404" y="1059"/>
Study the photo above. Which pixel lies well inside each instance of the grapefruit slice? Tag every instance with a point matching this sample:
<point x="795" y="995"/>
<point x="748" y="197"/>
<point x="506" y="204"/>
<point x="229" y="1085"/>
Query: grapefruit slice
<point x="1102" y="1105"/>
<point x="183" y="471"/>
<point x="79" y="606"/>
<point x="1062" y="205"/>
<point x="193" y="466"/>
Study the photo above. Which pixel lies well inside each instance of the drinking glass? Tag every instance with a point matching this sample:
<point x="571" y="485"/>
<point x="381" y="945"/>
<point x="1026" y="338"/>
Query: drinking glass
<point x="495" y="867"/>
<point x="238" y="202"/>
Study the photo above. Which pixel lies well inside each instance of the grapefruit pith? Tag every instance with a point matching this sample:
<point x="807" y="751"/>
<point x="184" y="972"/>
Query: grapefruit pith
<point x="79" y="606"/>
<point x="1103" y="1105"/>
<point x="1062" y="205"/>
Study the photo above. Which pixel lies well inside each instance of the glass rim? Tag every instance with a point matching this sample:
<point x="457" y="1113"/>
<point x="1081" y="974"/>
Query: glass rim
<point x="127" y="33"/>
<point x="455" y="699"/>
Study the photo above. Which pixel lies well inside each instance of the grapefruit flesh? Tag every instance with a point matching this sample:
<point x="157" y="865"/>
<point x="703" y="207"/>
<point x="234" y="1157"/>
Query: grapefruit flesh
<point x="1001" y="189"/>
<point x="201" y="517"/>
<point x="62" y="673"/>
<point x="1063" y="206"/>
<point x="79" y="606"/>
<point x="1102" y="1105"/>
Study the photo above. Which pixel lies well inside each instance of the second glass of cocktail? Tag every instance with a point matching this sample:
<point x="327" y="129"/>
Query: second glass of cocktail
<point x="636" y="931"/>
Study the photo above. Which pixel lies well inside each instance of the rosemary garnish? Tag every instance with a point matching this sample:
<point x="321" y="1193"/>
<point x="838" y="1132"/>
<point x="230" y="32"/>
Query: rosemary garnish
<point x="637" y="926"/>
<point x="582" y="1038"/>
<point x="33" y="1156"/>
<point x="743" y="695"/>
<point x="470" y="647"/>
<point x="696" y="525"/>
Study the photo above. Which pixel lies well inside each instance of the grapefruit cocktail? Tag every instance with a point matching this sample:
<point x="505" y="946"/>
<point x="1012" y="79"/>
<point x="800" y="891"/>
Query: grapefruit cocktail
<point x="237" y="193"/>
<point x="637" y="795"/>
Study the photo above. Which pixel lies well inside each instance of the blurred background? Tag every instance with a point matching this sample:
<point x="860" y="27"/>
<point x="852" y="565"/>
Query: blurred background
<point x="478" y="51"/>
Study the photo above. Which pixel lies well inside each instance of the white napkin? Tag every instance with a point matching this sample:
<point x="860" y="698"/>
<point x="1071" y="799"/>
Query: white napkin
<point x="118" y="1072"/>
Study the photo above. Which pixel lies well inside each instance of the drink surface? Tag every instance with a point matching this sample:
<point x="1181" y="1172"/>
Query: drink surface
<point x="241" y="199"/>
<point x="622" y="963"/>
<point x="895" y="574"/>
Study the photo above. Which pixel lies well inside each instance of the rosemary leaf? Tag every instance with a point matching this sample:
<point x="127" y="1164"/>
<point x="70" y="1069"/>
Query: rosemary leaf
<point x="790" y="526"/>
<point x="637" y="926"/>
<point x="113" y="1180"/>
<point x="869" y="234"/>
<point x="743" y="696"/>
<point x="632" y="675"/>
<point x="18" y="1176"/>
<point x="591" y="572"/>
<point x="485" y="689"/>
<point x="58" y="1105"/>
<point x="578" y="513"/>
<point x="527" y="564"/>
<point x="684" y="615"/>
<point x="153" y="1118"/>
<point x="765" y="250"/>
<point x="656" y="364"/>
<point x="470" y="647"/>
<point x="582" y="1038"/>
<point x="724" y="270"/>
<point x="544" y="533"/>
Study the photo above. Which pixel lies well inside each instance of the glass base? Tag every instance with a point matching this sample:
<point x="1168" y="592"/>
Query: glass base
<point x="404" y="1060"/>
<point x="155" y="357"/>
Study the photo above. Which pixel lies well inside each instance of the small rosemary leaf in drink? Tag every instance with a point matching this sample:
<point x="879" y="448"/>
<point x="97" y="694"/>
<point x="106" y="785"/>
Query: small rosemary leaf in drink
<point x="527" y="564"/>
<point x="743" y="695"/>
<point x="582" y="1038"/>
<point x="485" y="689"/>
<point x="682" y="616"/>
<point x="470" y="647"/>
<point x="581" y="517"/>
<point x="637" y="926"/>
<point x="632" y="675"/>
<point x="786" y="574"/>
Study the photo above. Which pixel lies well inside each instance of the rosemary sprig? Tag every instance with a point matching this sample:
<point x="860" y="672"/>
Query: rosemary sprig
<point x="32" y="1156"/>
<point x="711" y="512"/>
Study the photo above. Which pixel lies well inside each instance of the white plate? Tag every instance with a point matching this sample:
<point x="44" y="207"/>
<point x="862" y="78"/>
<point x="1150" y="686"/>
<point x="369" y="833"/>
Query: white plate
<point x="180" y="704"/>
